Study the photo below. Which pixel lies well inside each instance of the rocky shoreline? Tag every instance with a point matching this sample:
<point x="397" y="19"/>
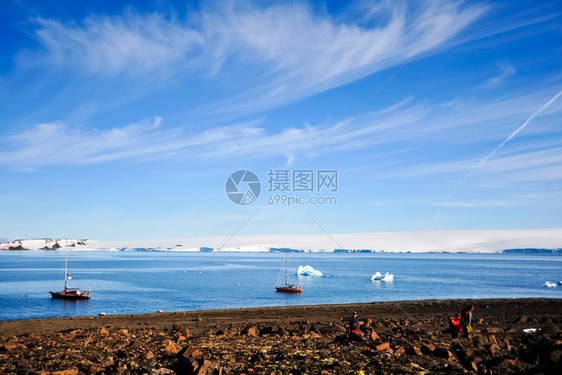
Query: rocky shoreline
<point x="409" y="337"/>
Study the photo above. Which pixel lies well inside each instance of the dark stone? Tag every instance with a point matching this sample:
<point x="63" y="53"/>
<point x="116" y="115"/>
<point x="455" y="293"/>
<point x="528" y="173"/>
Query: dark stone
<point x="427" y="349"/>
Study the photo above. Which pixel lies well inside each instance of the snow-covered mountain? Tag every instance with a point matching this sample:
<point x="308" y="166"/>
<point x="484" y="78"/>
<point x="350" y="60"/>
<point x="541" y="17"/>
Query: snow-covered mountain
<point x="46" y="244"/>
<point x="422" y="241"/>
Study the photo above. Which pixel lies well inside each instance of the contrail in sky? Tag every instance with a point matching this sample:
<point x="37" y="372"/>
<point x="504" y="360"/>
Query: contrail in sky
<point x="485" y="159"/>
<point x="510" y="136"/>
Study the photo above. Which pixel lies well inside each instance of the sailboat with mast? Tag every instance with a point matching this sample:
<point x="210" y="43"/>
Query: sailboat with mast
<point x="286" y="287"/>
<point x="70" y="293"/>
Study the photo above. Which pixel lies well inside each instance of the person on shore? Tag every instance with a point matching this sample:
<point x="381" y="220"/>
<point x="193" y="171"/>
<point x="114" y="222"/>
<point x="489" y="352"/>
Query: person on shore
<point x="353" y="323"/>
<point x="455" y="326"/>
<point x="466" y="320"/>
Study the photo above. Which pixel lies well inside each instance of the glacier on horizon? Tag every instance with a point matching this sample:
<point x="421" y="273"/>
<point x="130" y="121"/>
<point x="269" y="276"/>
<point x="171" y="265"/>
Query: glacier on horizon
<point x="379" y="277"/>
<point x="308" y="271"/>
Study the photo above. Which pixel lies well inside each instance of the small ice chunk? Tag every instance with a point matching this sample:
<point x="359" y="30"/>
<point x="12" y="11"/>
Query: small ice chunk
<point x="388" y="277"/>
<point x="549" y="284"/>
<point x="379" y="277"/>
<point x="308" y="271"/>
<point x="530" y="330"/>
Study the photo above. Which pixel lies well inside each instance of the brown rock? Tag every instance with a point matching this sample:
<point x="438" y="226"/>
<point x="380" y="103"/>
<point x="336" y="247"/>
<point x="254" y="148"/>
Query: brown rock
<point x="181" y="338"/>
<point x="314" y="335"/>
<point x="383" y="346"/>
<point x="357" y="336"/>
<point x="207" y="367"/>
<point x="104" y="331"/>
<point x="524" y="319"/>
<point x="190" y="351"/>
<point x="427" y="348"/>
<point x="65" y="372"/>
<point x="8" y="347"/>
<point x="124" y="333"/>
<point x="250" y="331"/>
<point x="171" y="348"/>
<point x="398" y="351"/>
<point x="481" y="340"/>
<point x="494" y="350"/>
<point x="493" y="330"/>
<point x="109" y="362"/>
<point x="95" y="369"/>
<point x="373" y="336"/>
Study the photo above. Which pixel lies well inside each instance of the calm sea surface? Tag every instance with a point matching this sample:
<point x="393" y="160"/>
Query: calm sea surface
<point x="141" y="282"/>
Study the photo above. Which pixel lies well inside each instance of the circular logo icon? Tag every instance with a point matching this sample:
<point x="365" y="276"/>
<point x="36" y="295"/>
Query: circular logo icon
<point x="243" y="187"/>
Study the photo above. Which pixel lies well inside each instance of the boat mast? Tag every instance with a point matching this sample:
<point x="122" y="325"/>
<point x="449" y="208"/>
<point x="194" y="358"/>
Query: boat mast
<point x="65" y="264"/>
<point x="286" y="272"/>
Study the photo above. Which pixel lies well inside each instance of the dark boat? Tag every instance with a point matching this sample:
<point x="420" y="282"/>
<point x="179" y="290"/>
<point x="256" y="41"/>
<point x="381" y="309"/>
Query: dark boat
<point x="70" y="293"/>
<point x="286" y="287"/>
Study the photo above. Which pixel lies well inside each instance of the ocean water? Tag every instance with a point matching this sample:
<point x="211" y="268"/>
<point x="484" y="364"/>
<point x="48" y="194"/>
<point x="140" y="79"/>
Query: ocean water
<point x="142" y="282"/>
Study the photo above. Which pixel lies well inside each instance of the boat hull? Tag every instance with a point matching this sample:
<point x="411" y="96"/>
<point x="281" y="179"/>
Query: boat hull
<point x="75" y="295"/>
<point x="288" y="290"/>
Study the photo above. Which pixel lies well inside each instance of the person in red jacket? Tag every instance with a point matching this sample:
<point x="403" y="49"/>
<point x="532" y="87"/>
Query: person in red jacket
<point x="455" y="326"/>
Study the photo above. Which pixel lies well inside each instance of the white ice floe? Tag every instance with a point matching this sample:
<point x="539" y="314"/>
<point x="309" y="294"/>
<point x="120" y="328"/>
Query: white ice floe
<point x="308" y="271"/>
<point x="549" y="284"/>
<point x="560" y="282"/>
<point x="530" y="330"/>
<point x="388" y="277"/>
<point x="379" y="277"/>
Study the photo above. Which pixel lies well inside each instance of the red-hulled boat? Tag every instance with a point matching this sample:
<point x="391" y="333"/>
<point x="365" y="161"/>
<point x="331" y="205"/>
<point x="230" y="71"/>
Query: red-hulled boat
<point x="286" y="287"/>
<point x="70" y="293"/>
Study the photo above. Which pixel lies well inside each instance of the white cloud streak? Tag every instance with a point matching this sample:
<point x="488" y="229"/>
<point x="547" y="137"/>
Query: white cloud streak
<point x="280" y="53"/>
<point x="409" y="127"/>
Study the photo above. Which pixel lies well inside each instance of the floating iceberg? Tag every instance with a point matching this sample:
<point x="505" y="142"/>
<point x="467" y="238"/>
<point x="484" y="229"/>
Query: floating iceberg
<point x="388" y="277"/>
<point x="560" y="282"/>
<point x="548" y="284"/>
<point x="378" y="277"/>
<point x="308" y="271"/>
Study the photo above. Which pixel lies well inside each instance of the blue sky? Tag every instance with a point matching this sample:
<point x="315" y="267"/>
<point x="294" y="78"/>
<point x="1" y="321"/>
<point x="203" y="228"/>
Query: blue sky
<point x="123" y="122"/>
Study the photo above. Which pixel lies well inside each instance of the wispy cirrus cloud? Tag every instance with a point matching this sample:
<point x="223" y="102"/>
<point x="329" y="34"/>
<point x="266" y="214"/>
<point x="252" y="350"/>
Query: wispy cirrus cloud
<point x="112" y="45"/>
<point x="411" y="127"/>
<point x="270" y="54"/>
<point x="506" y="72"/>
